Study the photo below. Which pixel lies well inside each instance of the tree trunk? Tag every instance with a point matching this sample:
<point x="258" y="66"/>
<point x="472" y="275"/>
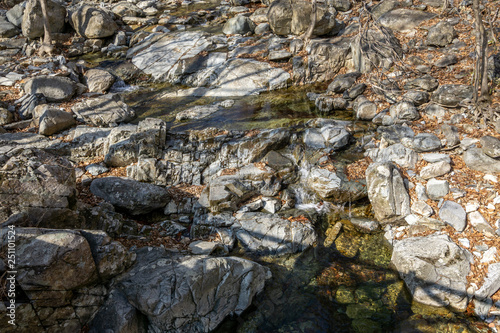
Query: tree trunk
<point x="481" y="70"/>
<point x="309" y="32"/>
<point x="47" y="37"/>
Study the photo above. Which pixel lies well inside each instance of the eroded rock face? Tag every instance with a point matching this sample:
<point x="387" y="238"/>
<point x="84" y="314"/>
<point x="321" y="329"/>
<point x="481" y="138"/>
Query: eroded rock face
<point x="435" y="269"/>
<point x="201" y="290"/>
<point x="119" y="316"/>
<point x="39" y="187"/>
<point x="387" y="193"/>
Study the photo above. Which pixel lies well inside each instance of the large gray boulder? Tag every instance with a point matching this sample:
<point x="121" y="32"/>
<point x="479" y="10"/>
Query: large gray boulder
<point x="59" y="273"/>
<point x="325" y="59"/>
<point x="453" y="214"/>
<point x="490" y="146"/>
<point x="403" y="19"/>
<point x="130" y="195"/>
<point x="190" y="293"/>
<point x="452" y="94"/>
<point x="168" y="56"/>
<point x="54" y="88"/>
<point x="99" y="80"/>
<point x="387" y="193"/>
<point x="53" y="259"/>
<point x="441" y="34"/>
<point x="107" y="110"/>
<point x="15" y="14"/>
<point x="404" y="111"/>
<point x="32" y="25"/>
<point x="294" y="17"/>
<point x="340" y="5"/>
<point x="435" y="270"/>
<point x="7" y="29"/>
<point x="53" y="121"/>
<point x="238" y="25"/>
<point x="335" y="187"/>
<point x="92" y="22"/>
<point x="271" y="235"/>
<point x="405" y="157"/>
<point x="423" y="142"/>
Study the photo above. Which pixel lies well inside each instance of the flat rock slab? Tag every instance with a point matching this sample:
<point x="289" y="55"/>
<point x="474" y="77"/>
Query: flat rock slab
<point x="476" y="159"/>
<point x="453" y="214"/>
<point x="133" y="196"/>
<point x="103" y="111"/>
<point x="243" y="77"/>
<point x="160" y="58"/>
<point x="237" y="78"/>
<point x="403" y="19"/>
<point x="269" y="234"/>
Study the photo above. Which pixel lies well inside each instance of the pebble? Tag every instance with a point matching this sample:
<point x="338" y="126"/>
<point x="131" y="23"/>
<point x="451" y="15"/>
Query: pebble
<point x="471" y="207"/>
<point x="465" y="242"/>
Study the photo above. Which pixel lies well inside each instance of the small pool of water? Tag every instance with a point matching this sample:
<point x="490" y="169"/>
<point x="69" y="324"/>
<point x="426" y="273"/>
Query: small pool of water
<point x="286" y="107"/>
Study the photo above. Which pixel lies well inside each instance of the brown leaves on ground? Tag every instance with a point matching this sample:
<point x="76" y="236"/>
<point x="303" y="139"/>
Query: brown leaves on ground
<point x="357" y="170"/>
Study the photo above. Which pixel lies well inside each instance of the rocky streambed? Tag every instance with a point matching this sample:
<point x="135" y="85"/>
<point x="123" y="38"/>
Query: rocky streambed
<point x="198" y="167"/>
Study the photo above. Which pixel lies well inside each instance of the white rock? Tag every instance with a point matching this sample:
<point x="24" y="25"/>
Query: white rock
<point x="412" y="219"/>
<point x="471" y="207"/>
<point x="465" y="242"/>
<point x="490" y="178"/>
<point x="489" y="255"/>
